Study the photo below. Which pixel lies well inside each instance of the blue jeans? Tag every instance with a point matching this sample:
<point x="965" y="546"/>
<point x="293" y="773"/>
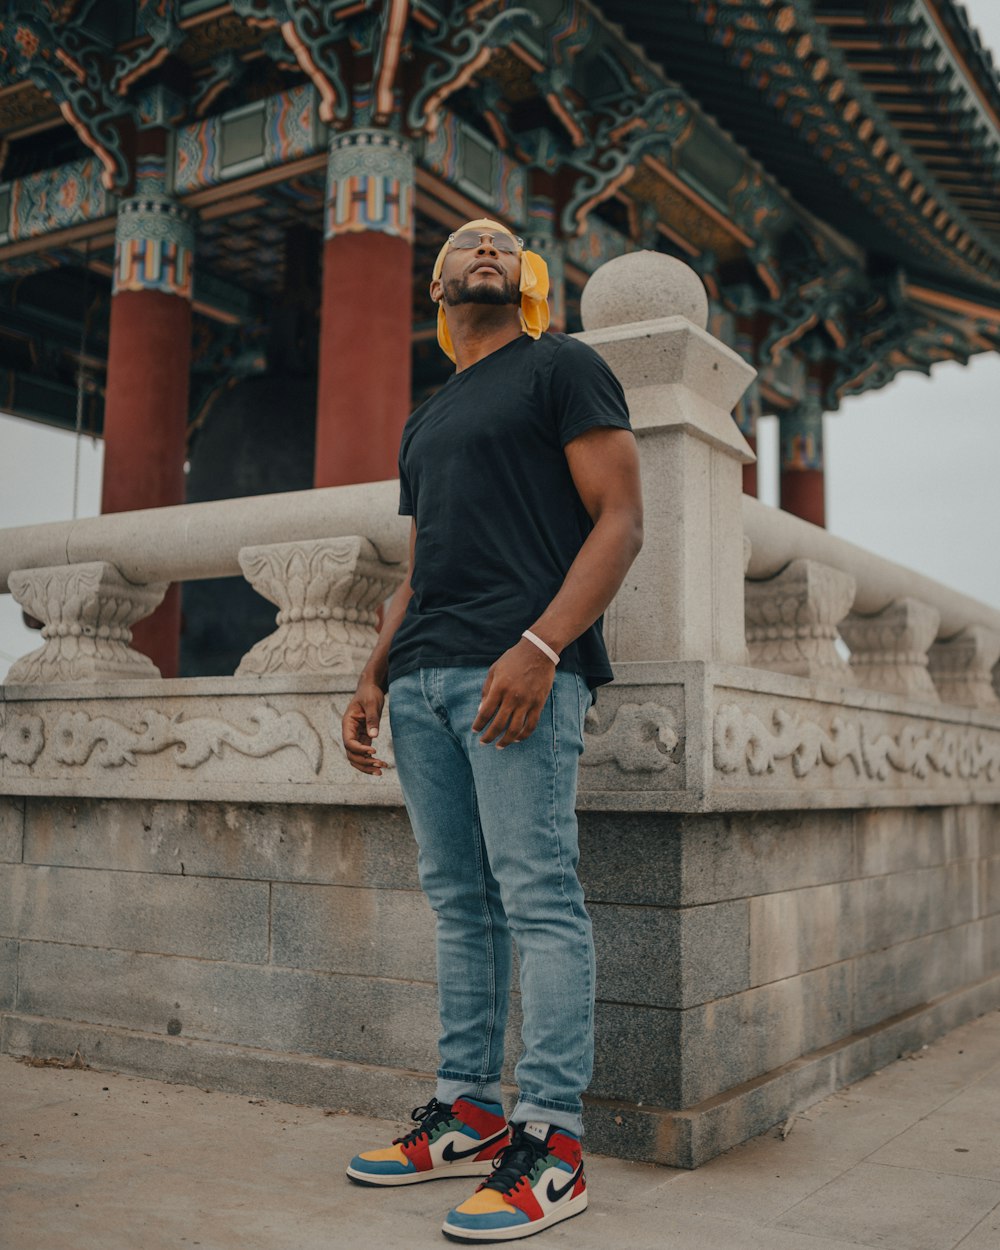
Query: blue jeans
<point x="498" y="849"/>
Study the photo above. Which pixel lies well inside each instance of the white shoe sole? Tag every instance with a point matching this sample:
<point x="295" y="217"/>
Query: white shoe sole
<point x="573" y="1207"/>
<point x="483" y="1168"/>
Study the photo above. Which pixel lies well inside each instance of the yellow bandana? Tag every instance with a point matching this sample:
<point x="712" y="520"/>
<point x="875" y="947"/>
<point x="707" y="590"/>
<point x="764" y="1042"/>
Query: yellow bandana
<point x="534" y="287"/>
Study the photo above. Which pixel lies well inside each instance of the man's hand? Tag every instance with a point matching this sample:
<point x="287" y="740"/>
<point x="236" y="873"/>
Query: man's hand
<point x="360" y="725"/>
<point x="514" y="693"/>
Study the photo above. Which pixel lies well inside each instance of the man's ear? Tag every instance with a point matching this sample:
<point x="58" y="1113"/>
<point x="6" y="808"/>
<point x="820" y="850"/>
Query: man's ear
<point x="437" y="290"/>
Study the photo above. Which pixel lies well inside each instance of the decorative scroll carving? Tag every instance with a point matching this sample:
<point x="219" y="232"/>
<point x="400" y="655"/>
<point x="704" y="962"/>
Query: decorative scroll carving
<point x="889" y="650"/>
<point x="67" y="63"/>
<point x="88" y="610"/>
<point x="792" y="619"/>
<point x="77" y="737"/>
<point x="462" y="44"/>
<point x="640" y="739"/>
<point x="612" y="142"/>
<point x="22" y="737"/>
<point x="328" y="590"/>
<point x="741" y="740"/>
<point x="961" y="667"/>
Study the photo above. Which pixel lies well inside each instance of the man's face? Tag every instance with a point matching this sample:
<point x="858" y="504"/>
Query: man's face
<point x="483" y="274"/>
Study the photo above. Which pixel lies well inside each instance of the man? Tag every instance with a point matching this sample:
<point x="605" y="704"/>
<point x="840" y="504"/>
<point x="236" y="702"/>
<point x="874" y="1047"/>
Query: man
<point x="522" y="478"/>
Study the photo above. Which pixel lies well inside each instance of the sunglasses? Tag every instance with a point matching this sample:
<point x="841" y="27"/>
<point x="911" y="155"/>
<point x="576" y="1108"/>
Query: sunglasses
<point x="468" y="240"/>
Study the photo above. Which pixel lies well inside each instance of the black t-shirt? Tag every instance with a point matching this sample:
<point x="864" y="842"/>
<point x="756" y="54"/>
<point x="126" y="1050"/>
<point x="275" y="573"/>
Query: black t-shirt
<point x="499" y="521"/>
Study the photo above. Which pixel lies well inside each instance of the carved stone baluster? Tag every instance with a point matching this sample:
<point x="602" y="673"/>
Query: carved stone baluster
<point x="328" y="590"/>
<point x="792" y="620"/>
<point x="889" y="649"/>
<point x="88" y="612"/>
<point x="961" y="667"/>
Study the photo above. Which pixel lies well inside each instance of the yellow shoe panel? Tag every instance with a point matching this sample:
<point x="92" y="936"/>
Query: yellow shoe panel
<point x="485" y="1202"/>
<point x="391" y="1154"/>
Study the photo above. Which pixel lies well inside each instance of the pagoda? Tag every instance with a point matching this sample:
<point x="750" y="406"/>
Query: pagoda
<point x="218" y="220"/>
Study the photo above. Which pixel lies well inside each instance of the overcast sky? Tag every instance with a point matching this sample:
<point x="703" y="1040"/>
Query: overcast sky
<point x="912" y="469"/>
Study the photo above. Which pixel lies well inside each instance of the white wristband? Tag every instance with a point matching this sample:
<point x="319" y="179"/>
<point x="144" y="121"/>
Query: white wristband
<point x="542" y="646"/>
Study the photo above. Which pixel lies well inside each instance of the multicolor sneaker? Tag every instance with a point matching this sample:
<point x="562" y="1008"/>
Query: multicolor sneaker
<point x="538" y="1181"/>
<point x="460" y="1139"/>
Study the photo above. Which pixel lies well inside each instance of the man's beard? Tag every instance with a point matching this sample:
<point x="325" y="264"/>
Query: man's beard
<point x="462" y="291"/>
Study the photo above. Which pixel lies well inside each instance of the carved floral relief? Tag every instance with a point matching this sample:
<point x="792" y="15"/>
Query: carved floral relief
<point x="742" y="740"/>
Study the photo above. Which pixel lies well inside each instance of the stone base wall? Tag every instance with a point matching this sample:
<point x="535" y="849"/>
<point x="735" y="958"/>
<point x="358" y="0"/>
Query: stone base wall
<point x="748" y="963"/>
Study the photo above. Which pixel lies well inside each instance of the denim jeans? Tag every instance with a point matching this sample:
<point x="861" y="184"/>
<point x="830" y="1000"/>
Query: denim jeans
<point x="497" y="854"/>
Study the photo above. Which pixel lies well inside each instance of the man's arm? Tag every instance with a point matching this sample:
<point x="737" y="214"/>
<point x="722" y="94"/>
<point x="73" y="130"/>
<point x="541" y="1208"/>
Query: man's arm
<point x="364" y="712"/>
<point x="604" y="463"/>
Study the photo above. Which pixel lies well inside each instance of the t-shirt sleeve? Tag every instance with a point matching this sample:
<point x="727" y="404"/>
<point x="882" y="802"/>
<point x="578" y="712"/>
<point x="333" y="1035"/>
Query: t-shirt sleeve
<point x="584" y="392"/>
<point x="405" y="496"/>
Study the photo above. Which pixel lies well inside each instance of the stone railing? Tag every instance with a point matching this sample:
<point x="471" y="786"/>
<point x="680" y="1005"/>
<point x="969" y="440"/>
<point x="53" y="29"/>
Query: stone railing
<point x="755" y="653"/>
<point x="907" y="634"/>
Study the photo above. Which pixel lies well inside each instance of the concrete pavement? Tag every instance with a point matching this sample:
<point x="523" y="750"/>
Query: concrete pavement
<point x="908" y="1159"/>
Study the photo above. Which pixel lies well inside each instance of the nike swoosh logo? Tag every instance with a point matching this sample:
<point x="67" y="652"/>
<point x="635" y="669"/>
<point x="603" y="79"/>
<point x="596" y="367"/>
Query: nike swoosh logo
<point x="450" y="1154"/>
<point x="554" y="1194"/>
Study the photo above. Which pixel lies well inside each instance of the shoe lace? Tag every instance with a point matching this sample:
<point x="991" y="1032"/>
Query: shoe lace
<point x="515" y="1161"/>
<point x="426" y="1119"/>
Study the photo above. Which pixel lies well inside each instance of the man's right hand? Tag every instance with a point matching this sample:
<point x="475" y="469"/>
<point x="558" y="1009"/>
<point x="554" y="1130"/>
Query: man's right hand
<point x="360" y="726"/>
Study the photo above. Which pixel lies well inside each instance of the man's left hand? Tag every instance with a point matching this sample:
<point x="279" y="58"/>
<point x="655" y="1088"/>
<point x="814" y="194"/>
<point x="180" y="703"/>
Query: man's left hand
<point x="514" y="693"/>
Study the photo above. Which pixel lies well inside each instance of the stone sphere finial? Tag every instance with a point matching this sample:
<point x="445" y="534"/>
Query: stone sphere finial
<point x="642" y="286"/>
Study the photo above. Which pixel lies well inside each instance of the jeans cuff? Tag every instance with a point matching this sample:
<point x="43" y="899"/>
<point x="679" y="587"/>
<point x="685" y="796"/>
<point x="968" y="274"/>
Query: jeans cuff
<point x="484" y="1089"/>
<point x="527" y="1109"/>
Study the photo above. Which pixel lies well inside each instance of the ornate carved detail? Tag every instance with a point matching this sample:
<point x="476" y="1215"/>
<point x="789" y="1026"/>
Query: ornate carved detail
<point x="311" y="30"/>
<point x="792" y="620"/>
<point x="613" y="140"/>
<point x="77" y="737"/>
<point x="741" y="740"/>
<point x="88" y="610"/>
<point x="369" y="184"/>
<point x="22" y="737"/>
<point x="68" y="64"/>
<point x="158" y="20"/>
<point x="889" y="650"/>
<point x="961" y="667"/>
<point x="640" y="739"/>
<point x="462" y="44"/>
<point x="328" y="590"/>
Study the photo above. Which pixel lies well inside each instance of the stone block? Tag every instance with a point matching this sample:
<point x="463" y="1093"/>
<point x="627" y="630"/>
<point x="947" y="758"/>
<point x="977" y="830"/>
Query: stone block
<point x="128" y="911"/>
<point x="282" y="1009"/>
<point x="909" y="974"/>
<point x="791" y="621"/>
<point x="889" y="649"/>
<point x="670" y="958"/>
<point x="364" y="846"/>
<point x="896" y="839"/>
<point x="8" y="974"/>
<point x="990" y="887"/>
<point x="989" y="829"/>
<point x="796" y="930"/>
<point x="11" y="830"/>
<point x="725" y="1043"/>
<point x="382" y="933"/>
<point x="632" y="857"/>
<point x="749" y="853"/>
<point x="900" y="906"/>
<point x="637" y="1054"/>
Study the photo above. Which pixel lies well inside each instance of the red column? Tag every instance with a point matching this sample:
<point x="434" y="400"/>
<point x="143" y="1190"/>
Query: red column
<point x="366" y="329"/>
<point x="750" y="470"/>
<point x="802" y="484"/>
<point x="146" y="401"/>
<point x="366" y="320"/>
